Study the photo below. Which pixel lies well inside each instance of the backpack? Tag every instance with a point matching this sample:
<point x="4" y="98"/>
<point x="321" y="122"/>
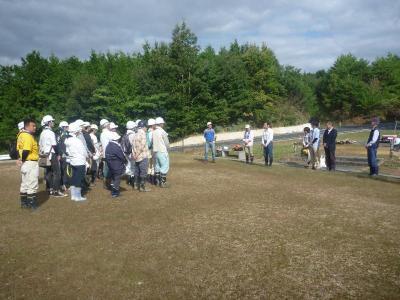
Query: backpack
<point x="126" y="144"/>
<point x="12" y="151"/>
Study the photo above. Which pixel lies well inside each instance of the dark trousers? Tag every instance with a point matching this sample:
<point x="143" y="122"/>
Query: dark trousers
<point x="372" y="160"/>
<point x="63" y="168"/>
<point x="53" y="174"/>
<point x="330" y="158"/>
<point x="141" y="168"/>
<point x="93" y="170"/>
<point x="268" y="154"/>
<point x="115" y="181"/>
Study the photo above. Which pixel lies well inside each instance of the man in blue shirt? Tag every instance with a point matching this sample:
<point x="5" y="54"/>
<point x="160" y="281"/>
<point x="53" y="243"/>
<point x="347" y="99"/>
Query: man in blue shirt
<point x="209" y="136"/>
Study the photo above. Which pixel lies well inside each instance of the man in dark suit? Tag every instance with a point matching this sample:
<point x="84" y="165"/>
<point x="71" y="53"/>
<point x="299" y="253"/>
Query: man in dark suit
<point x="329" y="141"/>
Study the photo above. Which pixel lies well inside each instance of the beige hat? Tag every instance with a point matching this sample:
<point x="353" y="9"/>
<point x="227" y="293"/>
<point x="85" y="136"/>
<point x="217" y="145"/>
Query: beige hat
<point x="209" y="123"/>
<point x="247" y="126"/>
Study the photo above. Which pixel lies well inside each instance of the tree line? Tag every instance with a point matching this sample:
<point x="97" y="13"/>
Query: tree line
<point x="189" y="86"/>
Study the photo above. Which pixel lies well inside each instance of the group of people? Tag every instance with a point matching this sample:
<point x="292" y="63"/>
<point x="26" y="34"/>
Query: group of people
<point x="248" y="143"/>
<point x="74" y="157"/>
<point x="311" y="144"/>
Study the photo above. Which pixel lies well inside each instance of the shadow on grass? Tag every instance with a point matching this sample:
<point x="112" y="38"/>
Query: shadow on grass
<point x="42" y="197"/>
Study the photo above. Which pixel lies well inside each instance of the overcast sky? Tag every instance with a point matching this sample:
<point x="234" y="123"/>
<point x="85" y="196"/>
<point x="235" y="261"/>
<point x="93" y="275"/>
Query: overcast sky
<point x="308" y="34"/>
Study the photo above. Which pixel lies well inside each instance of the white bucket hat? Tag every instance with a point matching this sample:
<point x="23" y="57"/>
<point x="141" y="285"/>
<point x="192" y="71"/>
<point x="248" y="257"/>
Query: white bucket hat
<point x="151" y="122"/>
<point x="209" y="123"/>
<point x="247" y="126"/>
<point x="103" y="122"/>
<point x="94" y="126"/>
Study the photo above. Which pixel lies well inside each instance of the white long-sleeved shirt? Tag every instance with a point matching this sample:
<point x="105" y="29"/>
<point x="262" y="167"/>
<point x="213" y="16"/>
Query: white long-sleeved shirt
<point x="315" y="135"/>
<point x="160" y="140"/>
<point x="104" y="140"/>
<point x="47" y="141"/>
<point x="248" y="138"/>
<point x="76" y="151"/>
<point x="267" y="136"/>
<point x="96" y="145"/>
<point x="374" y="138"/>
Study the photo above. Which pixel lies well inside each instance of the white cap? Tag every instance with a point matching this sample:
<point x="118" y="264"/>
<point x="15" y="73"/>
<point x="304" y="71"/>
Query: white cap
<point x="137" y="122"/>
<point x="94" y="126"/>
<point x="21" y="125"/>
<point x="103" y="122"/>
<point x="159" y="120"/>
<point x="46" y="119"/>
<point x="247" y="126"/>
<point x="113" y="125"/>
<point x="85" y="124"/>
<point x="130" y="125"/>
<point x="209" y="123"/>
<point x="63" y="124"/>
<point x="151" y="122"/>
<point x="114" y="136"/>
<point x="74" y="127"/>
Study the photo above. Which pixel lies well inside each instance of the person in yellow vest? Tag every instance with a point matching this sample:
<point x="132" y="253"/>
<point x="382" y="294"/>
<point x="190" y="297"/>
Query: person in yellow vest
<point x="28" y="151"/>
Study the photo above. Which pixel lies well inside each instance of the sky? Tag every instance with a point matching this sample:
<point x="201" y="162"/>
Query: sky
<point x="307" y="34"/>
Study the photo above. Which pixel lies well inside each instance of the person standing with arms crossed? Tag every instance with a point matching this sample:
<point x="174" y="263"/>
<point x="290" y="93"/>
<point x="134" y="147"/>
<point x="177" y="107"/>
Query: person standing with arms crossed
<point x="209" y="136"/>
<point x="329" y="142"/>
<point x="28" y="151"/>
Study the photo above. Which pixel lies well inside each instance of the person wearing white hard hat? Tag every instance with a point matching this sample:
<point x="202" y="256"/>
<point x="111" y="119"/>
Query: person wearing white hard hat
<point x="248" y="141"/>
<point x="61" y="136"/>
<point x="116" y="161"/>
<point x="96" y="156"/>
<point x="104" y="140"/>
<point x="126" y="145"/>
<point x="48" y="148"/>
<point x="209" y="136"/>
<point x="160" y="148"/>
<point x="141" y="157"/>
<point x="151" y="126"/>
<point x="76" y="158"/>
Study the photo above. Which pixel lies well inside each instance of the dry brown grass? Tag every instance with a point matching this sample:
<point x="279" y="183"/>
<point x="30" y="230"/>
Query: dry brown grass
<point x="222" y="230"/>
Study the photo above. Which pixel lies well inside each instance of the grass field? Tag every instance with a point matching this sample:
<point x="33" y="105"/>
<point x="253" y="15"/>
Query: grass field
<point x="224" y="230"/>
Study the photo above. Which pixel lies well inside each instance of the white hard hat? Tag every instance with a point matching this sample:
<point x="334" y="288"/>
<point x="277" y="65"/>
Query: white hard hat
<point x="94" y="126"/>
<point x="247" y="126"/>
<point x="21" y="125"/>
<point x="113" y="125"/>
<point x="159" y="120"/>
<point x="130" y="125"/>
<point x="209" y="123"/>
<point x="103" y="122"/>
<point x="79" y="122"/>
<point x="114" y="136"/>
<point x="63" y="124"/>
<point x="74" y="127"/>
<point x="151" y="122"/>
<point x="46" y="119"/>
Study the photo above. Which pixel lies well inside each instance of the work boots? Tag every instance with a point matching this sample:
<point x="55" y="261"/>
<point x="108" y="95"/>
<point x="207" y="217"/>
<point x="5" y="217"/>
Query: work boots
<point x="137" y="183"/>
<point x="251" y="159"/>
<point x="24" y="202"/>
<point x="247" y="159"/>
<point x="31" y="200"/>
<point x="115" y="192"/>
<point x="157" y="179"/>
<point x="163" y="181"/>
<point x="143" y="185"/>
